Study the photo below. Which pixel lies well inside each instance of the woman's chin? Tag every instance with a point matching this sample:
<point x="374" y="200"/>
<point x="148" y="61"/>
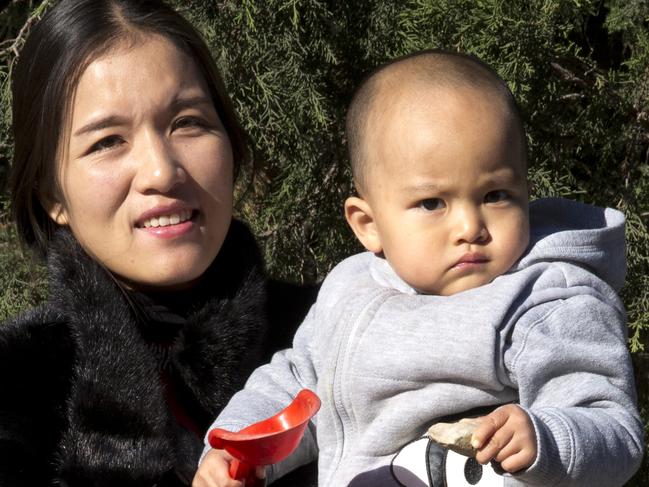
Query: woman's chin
<point x="165" y="265"/>
<point x="163" y="275"/>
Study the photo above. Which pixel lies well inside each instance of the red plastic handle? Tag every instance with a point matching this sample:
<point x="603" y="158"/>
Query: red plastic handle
<point x="268" y="441"/>
<point x="241" y="470"/>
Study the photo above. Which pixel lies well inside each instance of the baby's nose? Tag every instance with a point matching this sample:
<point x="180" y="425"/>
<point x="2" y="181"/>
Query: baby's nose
<point x="470" y="227"/>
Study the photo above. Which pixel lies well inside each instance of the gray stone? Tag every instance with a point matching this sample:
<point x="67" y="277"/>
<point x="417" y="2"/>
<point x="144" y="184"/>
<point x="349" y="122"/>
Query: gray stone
<point x="455" y="436"/>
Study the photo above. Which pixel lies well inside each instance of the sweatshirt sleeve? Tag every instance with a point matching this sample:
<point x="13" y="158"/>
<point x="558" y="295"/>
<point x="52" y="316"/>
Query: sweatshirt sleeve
<point x="575" y="379"/>
<point x="270" y="389"/>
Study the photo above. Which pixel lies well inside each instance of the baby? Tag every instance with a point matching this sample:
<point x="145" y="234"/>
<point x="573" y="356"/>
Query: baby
<point x="470" y="302"/>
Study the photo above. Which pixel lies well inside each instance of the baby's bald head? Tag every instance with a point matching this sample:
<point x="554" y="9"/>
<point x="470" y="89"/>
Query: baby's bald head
<point x="426" y="70"/>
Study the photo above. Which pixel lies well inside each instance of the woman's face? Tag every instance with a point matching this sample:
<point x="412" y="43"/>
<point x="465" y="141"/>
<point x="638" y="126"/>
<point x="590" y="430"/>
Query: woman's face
<point x="146" y="174"/>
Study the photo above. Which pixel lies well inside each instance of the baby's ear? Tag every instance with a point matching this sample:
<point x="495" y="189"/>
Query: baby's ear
<point x="360" y="217"/>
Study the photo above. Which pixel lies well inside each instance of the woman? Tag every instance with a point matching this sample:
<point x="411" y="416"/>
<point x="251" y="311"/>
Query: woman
<point x="126" y="150"/>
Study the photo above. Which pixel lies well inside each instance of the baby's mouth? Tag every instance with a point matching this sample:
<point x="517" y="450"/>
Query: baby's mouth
<point x="471" y="259"/>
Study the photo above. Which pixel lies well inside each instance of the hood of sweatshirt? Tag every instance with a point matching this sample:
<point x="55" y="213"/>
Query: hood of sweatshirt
<point x="585" y="235"/>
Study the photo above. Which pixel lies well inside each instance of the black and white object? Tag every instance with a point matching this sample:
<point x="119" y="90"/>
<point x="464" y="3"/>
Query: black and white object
<point x="424" y="463"/>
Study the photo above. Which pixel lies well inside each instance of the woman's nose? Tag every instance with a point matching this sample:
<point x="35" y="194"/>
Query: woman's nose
<point x="470" y="227"/>
<point x="158" y="170"/>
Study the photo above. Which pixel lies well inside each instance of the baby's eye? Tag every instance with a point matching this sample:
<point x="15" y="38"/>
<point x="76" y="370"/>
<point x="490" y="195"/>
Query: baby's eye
<point x="105" y="143"/>
<point x="496" y="196"/>
<point x="432" y="204"/>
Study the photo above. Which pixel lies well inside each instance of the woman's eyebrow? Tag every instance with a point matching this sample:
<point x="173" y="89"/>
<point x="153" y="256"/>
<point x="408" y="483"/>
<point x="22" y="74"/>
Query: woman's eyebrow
<point x="102" y="123"/>
<point x="116" y="120"/>
<point x="190" y="101"/>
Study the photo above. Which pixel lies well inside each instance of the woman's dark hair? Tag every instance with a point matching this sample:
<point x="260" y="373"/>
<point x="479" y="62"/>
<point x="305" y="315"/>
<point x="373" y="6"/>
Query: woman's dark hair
<point x="60" y="47"/>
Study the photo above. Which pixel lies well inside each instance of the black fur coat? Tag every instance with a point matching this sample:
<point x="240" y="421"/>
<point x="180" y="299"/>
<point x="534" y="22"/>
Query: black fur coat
<point x="81" y="400"/>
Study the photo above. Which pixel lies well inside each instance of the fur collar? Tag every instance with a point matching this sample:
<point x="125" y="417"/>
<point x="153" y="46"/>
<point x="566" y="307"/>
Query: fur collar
<point x="117" y="416"/>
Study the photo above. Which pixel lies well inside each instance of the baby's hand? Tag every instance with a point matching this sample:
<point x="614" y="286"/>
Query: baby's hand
<point x="507" y="436"/>
<point x="214" y="471"/>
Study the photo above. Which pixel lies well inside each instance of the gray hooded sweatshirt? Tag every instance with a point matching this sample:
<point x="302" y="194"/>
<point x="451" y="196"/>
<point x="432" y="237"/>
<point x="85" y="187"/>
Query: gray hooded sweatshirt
<point x="387" y="362"/>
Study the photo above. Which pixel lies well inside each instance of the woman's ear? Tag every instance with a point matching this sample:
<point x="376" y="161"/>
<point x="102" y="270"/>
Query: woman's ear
<point x="360" y="217"/>
<point x="54" y="208"/>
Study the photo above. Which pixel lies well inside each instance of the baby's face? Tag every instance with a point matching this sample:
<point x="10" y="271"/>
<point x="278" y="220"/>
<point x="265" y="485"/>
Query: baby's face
<point x="447" y="188"/>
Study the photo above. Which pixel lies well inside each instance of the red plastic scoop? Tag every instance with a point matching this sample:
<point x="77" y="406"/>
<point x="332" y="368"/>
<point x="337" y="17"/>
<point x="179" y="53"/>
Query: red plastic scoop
<point x="268" y="441"/>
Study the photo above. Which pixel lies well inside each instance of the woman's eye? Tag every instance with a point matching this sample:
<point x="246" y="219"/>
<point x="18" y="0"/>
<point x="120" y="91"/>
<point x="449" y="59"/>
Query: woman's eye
<point x="496" y="196"/>
<point x="189" y="122"/>
<point x="431" y="204"/>
<point x="105" y="143"/>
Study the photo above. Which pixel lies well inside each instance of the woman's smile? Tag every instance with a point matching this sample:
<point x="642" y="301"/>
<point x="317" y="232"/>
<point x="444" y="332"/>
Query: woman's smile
<point x="171" y="226"/>
<point x="166" y="220"/>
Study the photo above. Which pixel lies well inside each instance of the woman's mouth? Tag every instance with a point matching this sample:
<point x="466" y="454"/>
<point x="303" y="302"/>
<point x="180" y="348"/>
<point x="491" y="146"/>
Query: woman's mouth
<point x="167" y="220"/>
